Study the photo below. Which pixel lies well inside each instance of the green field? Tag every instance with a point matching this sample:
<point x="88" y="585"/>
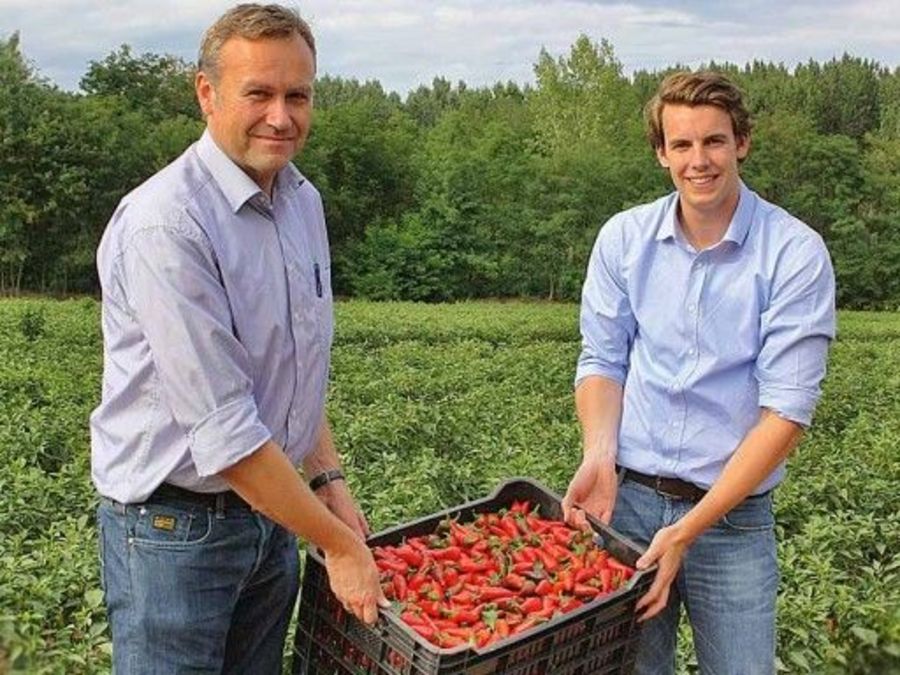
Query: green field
<point x="433" y="405"/>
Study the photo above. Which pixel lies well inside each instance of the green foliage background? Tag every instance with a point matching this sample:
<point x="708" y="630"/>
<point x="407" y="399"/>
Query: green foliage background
<point x="433" y="405"/>
<point x="455" y="192"/>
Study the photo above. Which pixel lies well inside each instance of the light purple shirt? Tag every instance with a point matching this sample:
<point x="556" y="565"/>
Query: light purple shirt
<point x="217" y="325"/>
<point x="702" y="340"/>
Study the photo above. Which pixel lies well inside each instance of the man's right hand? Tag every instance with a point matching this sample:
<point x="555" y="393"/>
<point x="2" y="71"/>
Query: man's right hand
<point x="354" y="581"/>
<point x="593" y="488"/>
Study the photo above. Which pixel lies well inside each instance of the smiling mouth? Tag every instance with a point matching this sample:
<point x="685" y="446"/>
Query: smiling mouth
<point x="700" y="181"/>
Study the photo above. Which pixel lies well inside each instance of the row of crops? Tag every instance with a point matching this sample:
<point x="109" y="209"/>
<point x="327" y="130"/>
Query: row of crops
<point x="433" y="405"/>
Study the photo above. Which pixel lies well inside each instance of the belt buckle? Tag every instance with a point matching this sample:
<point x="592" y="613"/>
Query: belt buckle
<point x="659" y="490"/>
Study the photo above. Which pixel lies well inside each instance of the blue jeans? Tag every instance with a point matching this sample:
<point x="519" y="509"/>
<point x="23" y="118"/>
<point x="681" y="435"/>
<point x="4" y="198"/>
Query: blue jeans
<point x="727" y="583"/>
<point x="195" y="589"/>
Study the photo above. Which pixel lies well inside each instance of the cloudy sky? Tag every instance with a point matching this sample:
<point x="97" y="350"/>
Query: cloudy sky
<point x="404" y="43"/>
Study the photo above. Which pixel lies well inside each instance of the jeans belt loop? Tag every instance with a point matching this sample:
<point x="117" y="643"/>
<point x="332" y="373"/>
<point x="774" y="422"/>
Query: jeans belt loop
<point x="659" y="489"/>
<point x="220" y="506"/>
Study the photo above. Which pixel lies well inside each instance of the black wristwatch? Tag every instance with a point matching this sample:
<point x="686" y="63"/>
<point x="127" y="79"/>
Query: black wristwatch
<point x="325" y="478"/>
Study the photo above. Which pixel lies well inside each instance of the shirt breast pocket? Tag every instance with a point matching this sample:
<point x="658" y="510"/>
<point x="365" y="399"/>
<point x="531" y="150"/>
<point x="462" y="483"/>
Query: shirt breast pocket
<point x="322" y="302"/>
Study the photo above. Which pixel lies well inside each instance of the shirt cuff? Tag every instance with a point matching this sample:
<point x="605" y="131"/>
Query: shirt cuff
<point x="791" y="403"/>
<point x="589" y="368"/>
<point x="226" y="436"/>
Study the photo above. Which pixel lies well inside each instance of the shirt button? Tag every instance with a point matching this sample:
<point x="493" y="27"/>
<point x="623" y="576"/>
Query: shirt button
<point x="691" y="351"/>
<point x="692" y="308"/>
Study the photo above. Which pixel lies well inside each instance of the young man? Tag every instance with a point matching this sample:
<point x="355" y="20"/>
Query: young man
<point x="217" y="325"/>
<point x="706" y="319"/>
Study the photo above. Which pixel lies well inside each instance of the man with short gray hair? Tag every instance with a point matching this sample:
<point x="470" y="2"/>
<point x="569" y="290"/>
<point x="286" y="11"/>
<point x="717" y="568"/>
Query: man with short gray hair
<point x="217" y="328"/>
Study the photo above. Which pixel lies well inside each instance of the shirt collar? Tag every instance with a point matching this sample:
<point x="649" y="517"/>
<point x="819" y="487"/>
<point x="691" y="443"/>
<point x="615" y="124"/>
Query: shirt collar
<point x="743" y="216"/>
<point x="737" y="228"/>
<point x="236" y="185"/>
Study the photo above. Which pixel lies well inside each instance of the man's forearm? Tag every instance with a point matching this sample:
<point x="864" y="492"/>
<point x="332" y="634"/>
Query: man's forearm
<point x="269" y="483"/>
<point x="324" y="456"/>
<point x="763" y="449"/>
<point x="598" y="401"/>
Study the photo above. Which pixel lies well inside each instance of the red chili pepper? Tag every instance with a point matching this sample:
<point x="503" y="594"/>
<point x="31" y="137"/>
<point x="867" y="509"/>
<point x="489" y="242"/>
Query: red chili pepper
<point x="392" y="564"/>
<point x="514" y="581"/>
<point x="483" y="637"/>
<point x="426" y="632"/>
<point x="462" y="616"/>
<point x="585" y="591"/>
<point x="501" y="628"/>
<point x="527" y="624"/>
<point x="412" y="618"/>
<point x="562" y="535"/>
<point x="571" y="604"/>
<point x="494" y="593"/>
<point x="531" y="605"/>
<point x="409" y="555"/>
<point x="537" y="525"/>
<point x="400" y="587"/>
<point x="606" y="579"/>
<point x="585" y="574"/>
<point x="543" y="588"/>
<point x="567" y="580"/>
<point x="550" y="563"/>
<point x="615" y="565"/>
<point x="449" y="553"/>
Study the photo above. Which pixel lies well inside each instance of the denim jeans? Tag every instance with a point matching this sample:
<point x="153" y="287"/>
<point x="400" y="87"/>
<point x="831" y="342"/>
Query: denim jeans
<point x="195" y="589"/>
<point x="727" y="583"/>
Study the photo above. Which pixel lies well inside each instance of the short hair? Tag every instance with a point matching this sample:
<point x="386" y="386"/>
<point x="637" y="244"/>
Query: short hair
<point x="693" y="89"/>
<point x="251" y="21"/>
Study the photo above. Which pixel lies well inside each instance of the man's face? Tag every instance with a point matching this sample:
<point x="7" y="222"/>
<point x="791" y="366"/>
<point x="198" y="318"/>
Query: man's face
<point x="701" y="153"/>
<point x="259" y="109"/>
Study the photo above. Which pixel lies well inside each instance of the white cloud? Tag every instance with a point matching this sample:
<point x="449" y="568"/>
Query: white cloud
<point x="404" y="43"/>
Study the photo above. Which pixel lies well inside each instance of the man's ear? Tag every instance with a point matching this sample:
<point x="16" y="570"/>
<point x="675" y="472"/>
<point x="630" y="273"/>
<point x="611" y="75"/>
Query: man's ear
<point x="743" y="147"/>
<point x="206" y="94"/>
<point x="661" y="156"/>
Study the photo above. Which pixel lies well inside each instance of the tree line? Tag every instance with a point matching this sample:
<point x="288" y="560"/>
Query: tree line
<point x="455" y="192"/>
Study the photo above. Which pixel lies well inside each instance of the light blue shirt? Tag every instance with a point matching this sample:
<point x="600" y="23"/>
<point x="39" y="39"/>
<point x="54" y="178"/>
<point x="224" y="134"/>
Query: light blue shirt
<point x="702" y="340"/>
<point x="217" y="325"/>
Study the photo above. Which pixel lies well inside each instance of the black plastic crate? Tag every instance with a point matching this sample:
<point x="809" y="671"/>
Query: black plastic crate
<point x="597" y="638"/>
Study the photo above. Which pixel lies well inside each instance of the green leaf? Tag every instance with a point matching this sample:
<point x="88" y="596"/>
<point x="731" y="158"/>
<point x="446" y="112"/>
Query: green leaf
<point x="94" y="598"/>
<point x="865" y="635"/>
<point x="799" y="660"/>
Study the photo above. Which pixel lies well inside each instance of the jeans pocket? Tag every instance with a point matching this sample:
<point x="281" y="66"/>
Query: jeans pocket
<point x="754" y="514"/>
<point x="169" y="526"/>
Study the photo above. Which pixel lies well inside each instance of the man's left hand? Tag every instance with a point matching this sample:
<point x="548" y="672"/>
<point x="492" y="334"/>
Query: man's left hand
<point x="336" y="496"/>
<point x="666" y="550"/>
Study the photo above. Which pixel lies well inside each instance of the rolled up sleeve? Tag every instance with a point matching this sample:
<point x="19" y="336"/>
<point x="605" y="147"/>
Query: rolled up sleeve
<point x="607" y="321"/>
<point x="176" y="296"/>
<point x="797" y="328"/>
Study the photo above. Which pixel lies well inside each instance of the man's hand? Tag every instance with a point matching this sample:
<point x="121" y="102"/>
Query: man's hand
<point x="593" y="488"/>
<point x="667" y="549"/>
<point x="353" y="578"/>
<point x="336" y="496"/>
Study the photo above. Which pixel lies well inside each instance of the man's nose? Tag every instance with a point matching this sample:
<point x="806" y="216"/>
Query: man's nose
<point x="277" y="115"/>
<point x="699" y="156"/>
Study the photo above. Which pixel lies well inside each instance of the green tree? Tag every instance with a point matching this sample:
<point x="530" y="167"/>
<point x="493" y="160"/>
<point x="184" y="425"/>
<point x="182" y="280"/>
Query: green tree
<point x="160" y="86"/>
<point x="21" y="94"/>
<point x="359" y="155"/>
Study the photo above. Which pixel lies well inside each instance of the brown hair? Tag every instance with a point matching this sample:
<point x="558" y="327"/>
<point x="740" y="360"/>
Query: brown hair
<point x="693" y="89"/>
<point x="252" y="22"/>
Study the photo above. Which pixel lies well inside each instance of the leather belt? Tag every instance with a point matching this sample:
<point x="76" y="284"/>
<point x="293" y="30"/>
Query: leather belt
<point x="668" y="487"/>
<point x="214" y="500"/>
